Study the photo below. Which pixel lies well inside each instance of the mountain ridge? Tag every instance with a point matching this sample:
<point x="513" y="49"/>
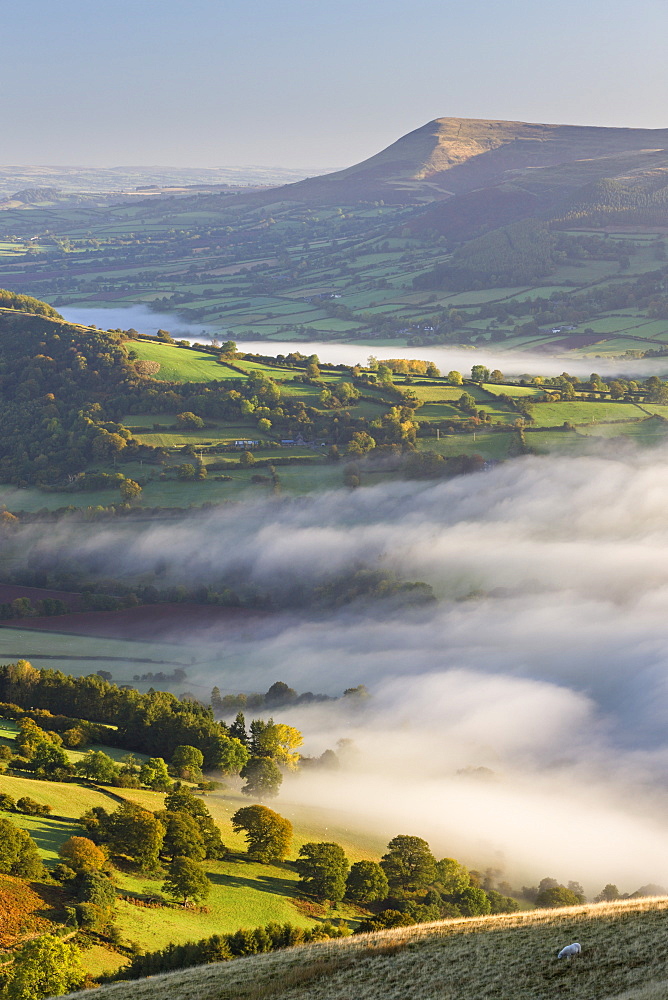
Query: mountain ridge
<point x="451" y="156"/>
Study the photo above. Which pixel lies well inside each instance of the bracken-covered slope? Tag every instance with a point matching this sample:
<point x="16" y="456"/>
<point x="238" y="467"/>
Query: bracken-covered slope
<point x="511" y="957"/>
<point x="452" y="156"/>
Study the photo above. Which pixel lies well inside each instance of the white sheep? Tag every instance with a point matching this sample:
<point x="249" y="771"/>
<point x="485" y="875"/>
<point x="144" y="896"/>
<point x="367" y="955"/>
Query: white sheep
<point x="570" y="950"/>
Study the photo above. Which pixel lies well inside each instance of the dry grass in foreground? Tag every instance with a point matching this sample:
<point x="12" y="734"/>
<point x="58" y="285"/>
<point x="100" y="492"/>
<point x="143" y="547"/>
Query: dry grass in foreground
<point x="508" y="957"/>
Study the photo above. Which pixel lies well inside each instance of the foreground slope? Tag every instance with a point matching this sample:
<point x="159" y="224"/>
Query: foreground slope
<point x="510" y="957"/>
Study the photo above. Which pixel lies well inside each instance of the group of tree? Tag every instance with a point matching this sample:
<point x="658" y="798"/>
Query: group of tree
<point x="182" y="835"/>
<point x="155" y="723"/>
<point x="224" y="947"/>
<point x="42" y="753"/>
<point x="408" y="885"/>
<point x="279" y="695"/>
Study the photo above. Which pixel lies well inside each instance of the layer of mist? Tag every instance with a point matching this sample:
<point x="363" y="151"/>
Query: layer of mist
<point x="511" y="363"/>
<point x="543" y="659"/>
<point x="140" y="318"/>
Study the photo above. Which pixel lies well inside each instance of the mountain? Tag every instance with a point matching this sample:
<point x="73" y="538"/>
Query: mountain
<point x="472" y="175"/>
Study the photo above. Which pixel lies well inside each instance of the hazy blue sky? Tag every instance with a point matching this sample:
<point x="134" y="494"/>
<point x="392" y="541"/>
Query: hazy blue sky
<point x="311" y="82"/>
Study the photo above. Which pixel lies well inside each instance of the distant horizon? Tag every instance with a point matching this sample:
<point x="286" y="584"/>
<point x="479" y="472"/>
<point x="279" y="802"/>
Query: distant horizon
<point x="164" y="166"/>
<point x="304" y="167"/>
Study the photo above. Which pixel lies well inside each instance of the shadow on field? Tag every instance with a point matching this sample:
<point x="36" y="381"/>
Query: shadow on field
<point x="263" y="883"/>
<point x="49" y="833"/>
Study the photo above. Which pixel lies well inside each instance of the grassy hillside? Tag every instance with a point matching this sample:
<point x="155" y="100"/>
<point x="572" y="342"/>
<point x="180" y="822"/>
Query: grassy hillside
<point x="513" y="957"/>
<point x="243" y="893"/>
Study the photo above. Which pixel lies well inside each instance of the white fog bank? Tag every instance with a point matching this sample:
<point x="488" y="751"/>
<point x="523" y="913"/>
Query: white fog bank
<point x="544" y="657"/>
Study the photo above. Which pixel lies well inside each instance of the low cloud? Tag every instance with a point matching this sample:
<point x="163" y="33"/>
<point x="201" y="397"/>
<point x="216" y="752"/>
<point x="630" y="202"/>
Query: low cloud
<point x="544" y="657"/>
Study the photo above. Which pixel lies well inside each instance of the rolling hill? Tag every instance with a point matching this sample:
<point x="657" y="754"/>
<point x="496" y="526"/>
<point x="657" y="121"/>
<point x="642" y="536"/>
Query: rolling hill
<point x="510" y="957"/>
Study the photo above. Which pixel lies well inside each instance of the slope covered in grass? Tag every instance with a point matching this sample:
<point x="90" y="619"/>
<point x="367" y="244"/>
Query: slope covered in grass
<point x="510" y="957"/>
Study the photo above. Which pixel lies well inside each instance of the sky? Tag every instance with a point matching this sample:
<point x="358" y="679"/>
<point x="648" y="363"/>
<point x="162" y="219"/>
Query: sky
<point x="311" y="83"/>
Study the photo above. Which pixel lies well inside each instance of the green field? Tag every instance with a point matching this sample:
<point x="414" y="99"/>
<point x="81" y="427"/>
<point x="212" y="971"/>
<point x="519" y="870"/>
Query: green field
<point x="80" y="655"/>
<point x="584" y="412"/>
<point x="179" y="364"/>
<point x="438" y="411"/>
<point x="491" y="445"/>
<point x="557" y="442"/>
<point x="514" y="391"/>
<point x="66" y="799"/>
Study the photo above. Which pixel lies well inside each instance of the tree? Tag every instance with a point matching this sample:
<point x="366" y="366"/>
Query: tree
<point x="496" y="376"/>
<point x="577" y="888"/>
<point x="366" y="883"/>
<point x="186" y="880"/>
<point x="263" y="778"/>
<point x="82" y="854"/>
<point x="227" y="753"/>
<point x="500" y="903"/>
<point x="45" y="967"/>
<point x="268" y="835"/>
<point x="181" y="800"/>
<point x="409" y="864"/>
<point x="29" y="737"/>
<point x="608" y="894"/>
<point x="280" y="693"/>
<point x="155" y="775"/>
<point x="229" y="348"/>
<point x="97" y="890"/>
<point x="189" y="421"/>
<point x="347" y="392"/>
<point x="18" y="852"/>
<point x="276" y="740"/>
<point x="351" y="476"/>
<point x="473" y="901"/>
<point x="187" y="763"/>
<point x="384" y="921"/>
<point x="183" y="837"/>
<point x="48" y="760"/>
<point x="323" y="869"/>
<point x="466" y="402"/>
<point x="136" y="833"/>
<point x="455" y="378"/>
<point x="186" y="472"/>
<point x="557" y="895"/>
<point x="360" y="443"/>
<point x="246" y="458"/>
<point x="145" y="367"/>
<point x="129" y="490"/>
<point x="451" y="876"/>
<point x="98" y="766"/>
<point x="238" y="729"/>
<point x="31" y="808"/>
